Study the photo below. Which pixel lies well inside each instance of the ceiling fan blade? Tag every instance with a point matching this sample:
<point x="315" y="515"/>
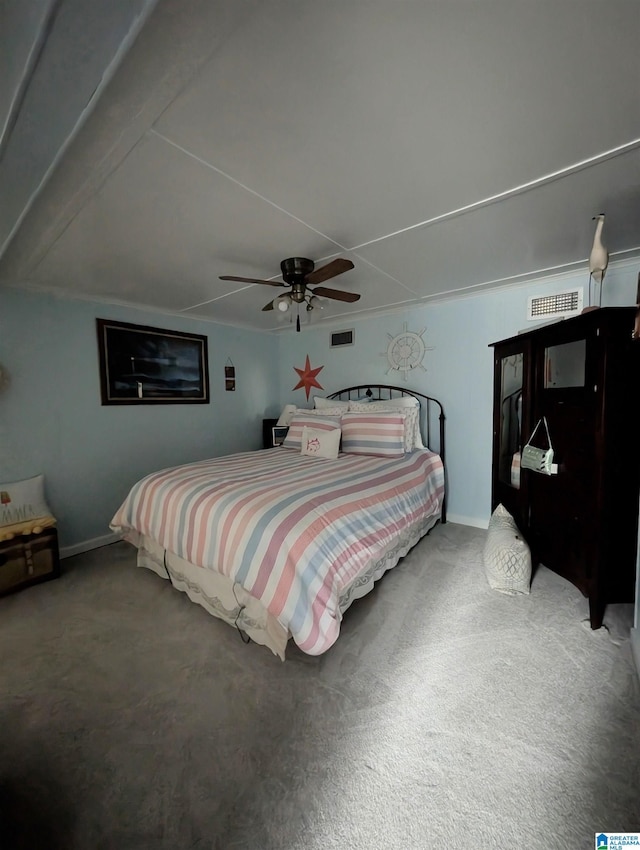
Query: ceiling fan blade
<point x="335" y="267"/>
<point x="268" y="306"/>
<point x="337" y="294"/>
<point x="252" y="280"/>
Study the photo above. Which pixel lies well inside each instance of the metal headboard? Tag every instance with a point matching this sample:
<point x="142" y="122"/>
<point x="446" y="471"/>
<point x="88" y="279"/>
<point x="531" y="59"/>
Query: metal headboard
<point x="382" y="392"/>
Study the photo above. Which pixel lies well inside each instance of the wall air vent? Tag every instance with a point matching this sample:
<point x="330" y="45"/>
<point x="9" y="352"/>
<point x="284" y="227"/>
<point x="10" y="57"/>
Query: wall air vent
<point x="560" y="305"/>
<point x="340" y="338"/>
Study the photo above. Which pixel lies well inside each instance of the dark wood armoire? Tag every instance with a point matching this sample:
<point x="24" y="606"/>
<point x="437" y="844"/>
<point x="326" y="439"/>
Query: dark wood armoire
<point x="583" y="375"/>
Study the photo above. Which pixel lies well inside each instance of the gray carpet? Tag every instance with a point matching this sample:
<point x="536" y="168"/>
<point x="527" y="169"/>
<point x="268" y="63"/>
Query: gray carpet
<point x="447" y="716"/>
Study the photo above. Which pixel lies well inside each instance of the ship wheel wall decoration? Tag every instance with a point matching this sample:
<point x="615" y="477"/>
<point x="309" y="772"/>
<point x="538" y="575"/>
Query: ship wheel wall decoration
<point x="406" y="351"/>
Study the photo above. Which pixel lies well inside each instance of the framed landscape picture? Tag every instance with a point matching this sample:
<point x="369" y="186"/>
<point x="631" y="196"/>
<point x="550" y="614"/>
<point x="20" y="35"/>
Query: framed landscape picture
<point x="145" y="365"/>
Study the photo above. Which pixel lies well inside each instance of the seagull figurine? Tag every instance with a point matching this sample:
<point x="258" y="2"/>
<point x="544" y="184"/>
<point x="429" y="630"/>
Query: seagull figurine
<point x="598" y="260"/>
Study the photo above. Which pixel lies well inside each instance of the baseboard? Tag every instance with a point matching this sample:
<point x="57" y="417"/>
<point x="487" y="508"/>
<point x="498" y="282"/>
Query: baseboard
<point x="635" y="647"/>
<point x="87" y="545"/>
<point x="468" y="520"/>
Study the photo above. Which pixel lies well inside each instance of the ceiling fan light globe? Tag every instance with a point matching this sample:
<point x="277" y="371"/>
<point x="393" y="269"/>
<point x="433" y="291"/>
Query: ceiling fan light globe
<point x="283" y="303"/>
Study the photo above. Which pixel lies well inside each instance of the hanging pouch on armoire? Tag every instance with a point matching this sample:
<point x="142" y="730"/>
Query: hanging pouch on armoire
<point x="538" y="460"/>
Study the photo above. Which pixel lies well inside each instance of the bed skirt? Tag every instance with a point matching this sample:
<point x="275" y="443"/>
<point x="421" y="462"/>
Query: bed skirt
<point x="230" y="602"/>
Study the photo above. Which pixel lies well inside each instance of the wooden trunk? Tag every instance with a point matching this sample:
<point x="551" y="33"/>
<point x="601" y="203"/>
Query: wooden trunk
<point x="28" y="559"/>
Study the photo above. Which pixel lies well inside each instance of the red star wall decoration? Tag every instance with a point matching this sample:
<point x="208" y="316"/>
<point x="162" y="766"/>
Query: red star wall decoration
<point x="308" y="377"/>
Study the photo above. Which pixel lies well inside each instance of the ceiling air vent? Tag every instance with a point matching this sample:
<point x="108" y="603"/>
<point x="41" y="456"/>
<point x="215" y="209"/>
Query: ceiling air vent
<point x="340" y="338"/>
<point x="557" y="306"/>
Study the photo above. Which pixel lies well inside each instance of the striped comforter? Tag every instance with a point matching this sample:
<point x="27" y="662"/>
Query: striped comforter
<point x="294" y="531"/>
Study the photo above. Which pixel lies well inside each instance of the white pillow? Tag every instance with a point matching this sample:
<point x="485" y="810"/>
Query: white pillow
<point x="507" y="557"/>
<point x="317" y="443"/>
<point x="324" y="411"/>
<point x="409" y="407"/>
<point x="22" y="501"/>
<point x="319" y="403"/>
<point x="288" y="412"/>
<point x="401" y="401"/>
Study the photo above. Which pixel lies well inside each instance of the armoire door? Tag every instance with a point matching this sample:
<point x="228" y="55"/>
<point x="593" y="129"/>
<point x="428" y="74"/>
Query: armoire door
<point x="511" y="414"/>
<point x="562" y="505"/>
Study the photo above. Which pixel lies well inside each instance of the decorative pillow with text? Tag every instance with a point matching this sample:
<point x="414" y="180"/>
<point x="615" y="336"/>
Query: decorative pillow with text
<point x="23" y="501"/>
<point x="317" y="443"/>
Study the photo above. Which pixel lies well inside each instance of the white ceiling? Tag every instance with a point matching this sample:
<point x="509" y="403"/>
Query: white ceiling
<point x="443" y="147"/>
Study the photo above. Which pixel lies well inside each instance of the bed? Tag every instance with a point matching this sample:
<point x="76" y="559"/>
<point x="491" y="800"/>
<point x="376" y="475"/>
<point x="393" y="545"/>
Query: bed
<point x="278" y="543"/>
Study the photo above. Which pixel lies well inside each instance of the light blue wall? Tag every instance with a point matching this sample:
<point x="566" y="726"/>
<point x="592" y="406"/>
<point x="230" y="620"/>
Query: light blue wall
<point x="52" y="420"/>
<point x="459" y="368"/>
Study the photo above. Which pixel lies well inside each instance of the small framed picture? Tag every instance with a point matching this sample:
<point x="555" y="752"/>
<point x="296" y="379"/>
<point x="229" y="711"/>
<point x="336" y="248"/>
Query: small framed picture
<point x="278" y="433"/>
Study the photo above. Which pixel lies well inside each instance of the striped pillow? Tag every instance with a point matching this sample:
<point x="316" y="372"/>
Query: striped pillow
<point x="408" y="405"/>
<point x="293" y="440"/>
<point x="379" y="434"/>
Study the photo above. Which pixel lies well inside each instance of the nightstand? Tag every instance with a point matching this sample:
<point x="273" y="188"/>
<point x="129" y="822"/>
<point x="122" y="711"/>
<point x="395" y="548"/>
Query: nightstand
<point x="267" y="434"/>
<point x="272" y="434"/>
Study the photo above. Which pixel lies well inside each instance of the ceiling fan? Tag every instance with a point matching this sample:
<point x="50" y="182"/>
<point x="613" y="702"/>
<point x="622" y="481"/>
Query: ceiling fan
<point x="299" y="274"/>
